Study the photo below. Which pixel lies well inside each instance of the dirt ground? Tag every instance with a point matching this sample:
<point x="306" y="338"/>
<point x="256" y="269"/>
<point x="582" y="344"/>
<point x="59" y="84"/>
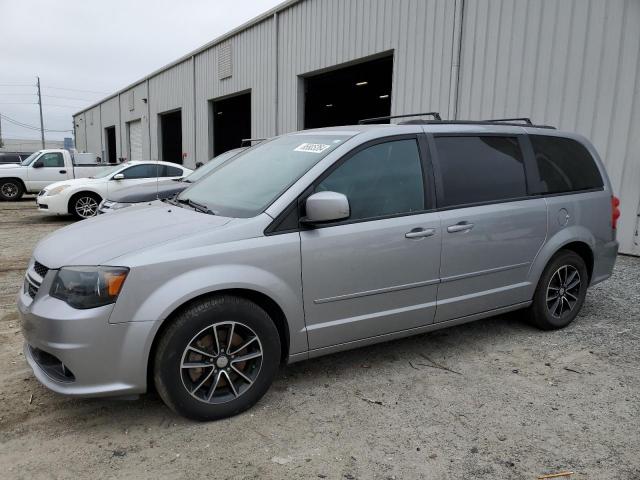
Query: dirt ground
<point x="494" y="399"/>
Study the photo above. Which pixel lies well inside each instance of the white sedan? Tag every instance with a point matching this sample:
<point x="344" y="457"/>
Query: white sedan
<point x="81" y="196"/>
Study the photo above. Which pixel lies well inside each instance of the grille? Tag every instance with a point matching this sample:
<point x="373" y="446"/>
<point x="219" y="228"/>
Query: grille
<point x="52" y="365"/>
<point x="41" y="192"/>
<point x="32" y="289"/>
<point x="40" y="269"/>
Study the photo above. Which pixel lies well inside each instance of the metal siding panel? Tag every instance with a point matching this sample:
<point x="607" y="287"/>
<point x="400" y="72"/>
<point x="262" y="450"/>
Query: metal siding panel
<point x="319" y="34"/>
<point x="109" y="118"/>
<point x="571" y="64"/>
<point x="139" y="112"/>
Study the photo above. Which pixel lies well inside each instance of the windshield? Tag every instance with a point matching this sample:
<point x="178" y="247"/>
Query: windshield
<point x="246" y="186"/>
<point x="212" y="164"/>
<point x="29" y="159"/>
<point x="106" y="171"/>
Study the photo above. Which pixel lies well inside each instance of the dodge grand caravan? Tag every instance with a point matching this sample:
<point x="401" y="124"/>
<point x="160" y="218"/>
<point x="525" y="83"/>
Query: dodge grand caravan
<point x="315" y="242"/>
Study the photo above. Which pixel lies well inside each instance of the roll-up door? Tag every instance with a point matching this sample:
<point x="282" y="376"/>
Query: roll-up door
<point x="135" y="140"/>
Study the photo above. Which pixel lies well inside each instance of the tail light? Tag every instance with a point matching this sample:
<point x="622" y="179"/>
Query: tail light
<point x="615" y="211"/>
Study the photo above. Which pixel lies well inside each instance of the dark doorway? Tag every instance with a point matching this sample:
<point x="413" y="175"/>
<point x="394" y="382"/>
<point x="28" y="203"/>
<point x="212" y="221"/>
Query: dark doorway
<point x="349" y="94"/>
<point x="231" y="122"/>
<point x="110" y="135"/>
<point x="171" y="137"/>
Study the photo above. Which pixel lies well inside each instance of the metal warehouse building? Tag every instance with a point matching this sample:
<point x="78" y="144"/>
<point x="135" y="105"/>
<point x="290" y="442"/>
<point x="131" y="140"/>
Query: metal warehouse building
<point x="574" y="64"/>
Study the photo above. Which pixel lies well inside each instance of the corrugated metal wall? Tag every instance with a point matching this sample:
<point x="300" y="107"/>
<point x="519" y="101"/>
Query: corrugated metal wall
<point x="319" y="34"/>
<point x="172" y="90"/>
<point x="570" y="63"/>
<point x="574" y="64"/>
<point x="134" y="108"/>
<point x="93" y="130"/>
<point x="253" y="67"/>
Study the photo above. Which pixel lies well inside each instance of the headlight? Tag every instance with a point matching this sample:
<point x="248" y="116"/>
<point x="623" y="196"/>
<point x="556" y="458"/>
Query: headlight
<point x="57" y="190"/>
<point x="88" y="287"/>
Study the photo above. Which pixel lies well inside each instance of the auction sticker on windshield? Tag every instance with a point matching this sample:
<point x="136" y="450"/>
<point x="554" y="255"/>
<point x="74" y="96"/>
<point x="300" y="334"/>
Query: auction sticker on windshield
<point x="311" y="147"/>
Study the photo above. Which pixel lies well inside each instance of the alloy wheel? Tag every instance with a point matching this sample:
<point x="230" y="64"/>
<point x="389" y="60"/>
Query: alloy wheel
<point x="86" y="207"/>
<point x="221" y="362"/>
<point x="563" y="291"/>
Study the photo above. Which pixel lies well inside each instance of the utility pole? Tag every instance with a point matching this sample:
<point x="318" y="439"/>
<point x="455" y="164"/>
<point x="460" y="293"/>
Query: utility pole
<point x="41" y="122"/>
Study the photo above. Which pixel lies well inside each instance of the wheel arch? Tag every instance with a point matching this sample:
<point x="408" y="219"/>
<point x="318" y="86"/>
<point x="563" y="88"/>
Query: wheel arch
<point x="576" y="239"/>
<point x="81" y="192"/>
<point x="261" y="299"/>
<point x="17" y="179"/>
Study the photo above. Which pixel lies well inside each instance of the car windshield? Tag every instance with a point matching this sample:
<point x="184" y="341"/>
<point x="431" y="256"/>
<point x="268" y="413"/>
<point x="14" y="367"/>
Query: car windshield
<point x="246" y="186"/>
<point x="29" y="159"/>
<point x="106" y="171"/>
<point x="211" y="165"/>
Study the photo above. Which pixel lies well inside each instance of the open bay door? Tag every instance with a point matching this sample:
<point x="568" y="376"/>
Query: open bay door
<point x="135" y="140"/>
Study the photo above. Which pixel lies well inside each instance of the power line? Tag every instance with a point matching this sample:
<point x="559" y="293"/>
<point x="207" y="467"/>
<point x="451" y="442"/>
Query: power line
<point x="18" y="103"/>
<point x="16" y="85"/>
<point x="26" y="125"/>
<point x="69" y="98"/>
<point x="77" y="90"/>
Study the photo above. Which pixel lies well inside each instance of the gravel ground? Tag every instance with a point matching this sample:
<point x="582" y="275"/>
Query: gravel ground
<point x="494" y="399"/>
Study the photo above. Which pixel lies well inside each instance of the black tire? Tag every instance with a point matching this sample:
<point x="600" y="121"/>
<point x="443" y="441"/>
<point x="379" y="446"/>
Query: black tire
<point x="175" y="382"/>
<point x="11" y="190"/>
<point x="81" y="202"/>
<point x="549" y="312"/>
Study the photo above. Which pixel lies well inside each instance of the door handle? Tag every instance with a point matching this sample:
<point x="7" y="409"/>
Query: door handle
<point x="63" y="171"/>
<point x="420" y="233"/>
<point x="460" y="227"/>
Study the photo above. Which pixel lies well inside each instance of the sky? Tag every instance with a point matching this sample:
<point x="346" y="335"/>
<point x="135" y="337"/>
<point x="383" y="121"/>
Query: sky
<point x="84" y="50"/>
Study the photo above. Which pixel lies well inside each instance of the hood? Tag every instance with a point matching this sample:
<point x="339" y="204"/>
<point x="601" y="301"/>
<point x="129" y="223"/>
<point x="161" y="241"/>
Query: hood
<point x="100" y="239"/>
<point x="10" y="166"/>
<point x="74" y="182"/>
<point x="148" y="192"/>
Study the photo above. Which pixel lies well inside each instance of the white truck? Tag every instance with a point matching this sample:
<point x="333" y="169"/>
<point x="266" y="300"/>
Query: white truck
<point x="43" y="168"/>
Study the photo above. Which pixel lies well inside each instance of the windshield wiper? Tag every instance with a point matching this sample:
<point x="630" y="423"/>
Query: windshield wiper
<point x="169" y="200"/>
<point x="196" y="206"/>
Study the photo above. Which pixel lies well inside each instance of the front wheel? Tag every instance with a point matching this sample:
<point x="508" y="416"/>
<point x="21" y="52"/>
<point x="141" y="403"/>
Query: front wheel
<point x="561" y="291"/>
<point x="11" y="190"/>
<point x="84" y="205"/>
<point x="217" y="358"/>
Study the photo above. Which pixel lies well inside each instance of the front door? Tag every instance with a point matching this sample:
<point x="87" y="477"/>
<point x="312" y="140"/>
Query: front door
<point x="376" y="272"/>
<point x="52" y="170"/>
<point x="137" y="175"/>
<point x="491" y="229"/>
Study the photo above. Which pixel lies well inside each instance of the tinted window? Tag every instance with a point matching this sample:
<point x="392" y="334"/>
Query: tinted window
<point x="141" y="171"/>
<point x="168" y="171"/>
<point x="9" y="158"/>
<point x="52" y="160"/>
<point x="480" y="169"/>
<point x="564" y="165"/>
<point x="383" y="179"/>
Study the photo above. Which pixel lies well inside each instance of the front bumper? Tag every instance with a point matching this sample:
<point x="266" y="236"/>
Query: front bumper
<point x="55" y="205"/>
<point x="98" y="358"/>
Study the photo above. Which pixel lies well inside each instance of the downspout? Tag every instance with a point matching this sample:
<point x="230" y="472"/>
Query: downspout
<point x="149" y="119"/>
<point x="118" y="159"/>
<point x="456" y="54"/>
<point x="276" y="99"/>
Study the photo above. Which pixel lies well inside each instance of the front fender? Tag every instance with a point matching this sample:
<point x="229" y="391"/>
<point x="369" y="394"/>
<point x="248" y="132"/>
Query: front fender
<point x="169" y="296"/>
<point x="571" y="234"/>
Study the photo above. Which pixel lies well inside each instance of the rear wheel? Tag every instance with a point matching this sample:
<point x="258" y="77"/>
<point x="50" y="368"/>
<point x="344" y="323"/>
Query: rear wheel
<point x="217" y="358"/>
<point x="561" y="291"/>
<point x="84" y="205"/>
<point x="11" y="190"/>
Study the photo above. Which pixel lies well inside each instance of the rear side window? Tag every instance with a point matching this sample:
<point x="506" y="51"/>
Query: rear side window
<point x="477" y="169"/>
<point x="168" y="171"/>
<point x="384" y="179"/>
<point x="141" y="171"/>
<point x="564" y="165"/>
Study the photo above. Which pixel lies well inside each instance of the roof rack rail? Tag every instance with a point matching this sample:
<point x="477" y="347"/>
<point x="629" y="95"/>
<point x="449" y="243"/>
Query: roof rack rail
<point x="435" y="115"/>
<point x="517" y="119"/>
<point x="248" y="141"/>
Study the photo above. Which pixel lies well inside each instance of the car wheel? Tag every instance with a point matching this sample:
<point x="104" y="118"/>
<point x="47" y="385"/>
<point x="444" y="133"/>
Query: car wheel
<point x="217" y="358"/>
<point x="561" y="291"/>
<point x="84" y="205"/>
<point x="11" y="190"/>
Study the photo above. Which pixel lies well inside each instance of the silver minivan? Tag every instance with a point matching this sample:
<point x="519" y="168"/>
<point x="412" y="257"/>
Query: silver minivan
<point x="315" y="242"/>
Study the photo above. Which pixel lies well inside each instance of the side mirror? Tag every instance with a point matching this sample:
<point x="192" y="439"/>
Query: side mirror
<point x="118" y="176"/>
<point x="38" y="164"/>
<point x="326" y="207"/>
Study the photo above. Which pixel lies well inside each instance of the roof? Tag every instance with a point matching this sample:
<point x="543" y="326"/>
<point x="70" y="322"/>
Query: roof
<point x="245" y="26"/>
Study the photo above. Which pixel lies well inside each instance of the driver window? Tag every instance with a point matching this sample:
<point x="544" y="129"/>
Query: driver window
<point x="384" y="179"/>
<point x="52" y="160"/>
